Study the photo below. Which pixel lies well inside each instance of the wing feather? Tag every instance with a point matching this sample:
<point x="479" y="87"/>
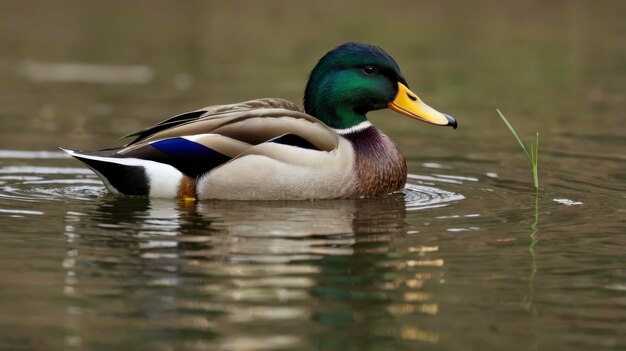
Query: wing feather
<point x="214" y="113"/>
<point x="199" y="141"/>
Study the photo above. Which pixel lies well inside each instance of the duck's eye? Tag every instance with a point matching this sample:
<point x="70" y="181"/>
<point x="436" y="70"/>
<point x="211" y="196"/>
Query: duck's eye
<point x="369" y="70"/>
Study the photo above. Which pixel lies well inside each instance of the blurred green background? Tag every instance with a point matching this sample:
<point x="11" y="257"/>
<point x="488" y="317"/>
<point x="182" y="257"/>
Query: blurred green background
<point x="558" y="66"/>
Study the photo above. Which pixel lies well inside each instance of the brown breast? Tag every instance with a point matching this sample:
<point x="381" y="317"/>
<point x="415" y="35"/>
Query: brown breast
<point x="380" y="166"/>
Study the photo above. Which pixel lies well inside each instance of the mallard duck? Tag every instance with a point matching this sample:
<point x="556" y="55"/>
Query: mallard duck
<point x="270" y="149"/>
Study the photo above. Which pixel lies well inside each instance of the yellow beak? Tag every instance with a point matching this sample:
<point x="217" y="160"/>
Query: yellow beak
<point x="407" y="103"/>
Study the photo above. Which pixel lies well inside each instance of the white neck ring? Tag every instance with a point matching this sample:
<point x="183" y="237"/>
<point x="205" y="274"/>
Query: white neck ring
<point x="357" y="128"/>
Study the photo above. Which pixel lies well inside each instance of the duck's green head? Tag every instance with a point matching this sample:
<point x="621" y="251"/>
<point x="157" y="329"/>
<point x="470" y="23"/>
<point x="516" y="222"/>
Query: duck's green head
<point x="356" y="78"/>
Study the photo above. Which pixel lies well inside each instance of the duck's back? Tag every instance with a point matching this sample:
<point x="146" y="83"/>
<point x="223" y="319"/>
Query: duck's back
<point x="259" y="149"/>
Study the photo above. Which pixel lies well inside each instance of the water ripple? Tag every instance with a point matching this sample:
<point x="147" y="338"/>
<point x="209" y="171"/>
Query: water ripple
<point x="423" y="192"/>
<point x="21" y="154"/>
<point x="32" y="183"/>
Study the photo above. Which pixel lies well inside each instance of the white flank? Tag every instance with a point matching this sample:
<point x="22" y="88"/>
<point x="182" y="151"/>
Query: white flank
<point x="163" y="179"/>
<point x="357" y="128"/>
<point x="271" y="171"/>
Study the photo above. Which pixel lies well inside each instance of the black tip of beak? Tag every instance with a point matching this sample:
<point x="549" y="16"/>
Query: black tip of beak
<point x="451" y="121"/>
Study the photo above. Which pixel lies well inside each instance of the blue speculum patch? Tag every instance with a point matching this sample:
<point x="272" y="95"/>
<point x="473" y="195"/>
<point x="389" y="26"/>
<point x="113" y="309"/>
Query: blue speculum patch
<point x="189" y="157"/>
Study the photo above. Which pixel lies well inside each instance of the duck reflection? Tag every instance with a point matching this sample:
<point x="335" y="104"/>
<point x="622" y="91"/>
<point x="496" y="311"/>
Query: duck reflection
<point x="249" y="275"/>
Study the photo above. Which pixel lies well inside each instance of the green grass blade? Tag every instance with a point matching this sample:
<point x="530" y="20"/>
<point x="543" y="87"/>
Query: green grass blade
<point x="533" y="155"/>
<point x="537" y="148"/>
<point x="535" y="162"/>
<point x="519" y="141"/>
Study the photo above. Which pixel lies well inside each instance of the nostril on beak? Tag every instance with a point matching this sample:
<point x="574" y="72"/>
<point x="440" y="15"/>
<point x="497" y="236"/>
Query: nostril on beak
<point x="412" y="97"/>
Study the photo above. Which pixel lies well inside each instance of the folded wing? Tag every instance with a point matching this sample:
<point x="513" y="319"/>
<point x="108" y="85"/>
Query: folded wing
<point x="194" y="143"/>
